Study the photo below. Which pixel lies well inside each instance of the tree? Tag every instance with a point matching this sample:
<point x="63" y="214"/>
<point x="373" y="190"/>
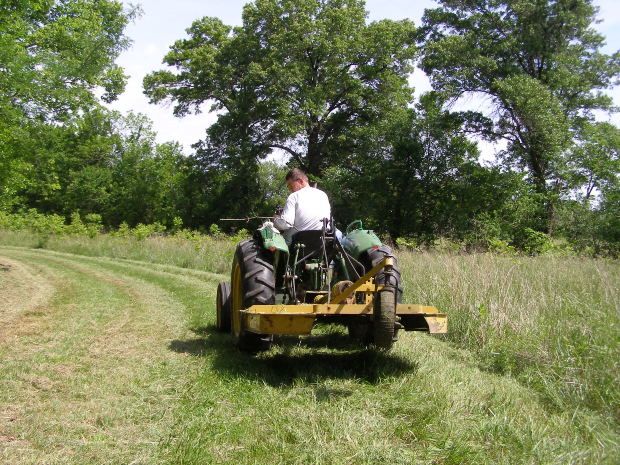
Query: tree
<point x="594" y="161"/>
<point x="538" y="62"/>
<point x="425" y="182"/>
<point x="306" y="77"/>
<point x="54" y="58"/>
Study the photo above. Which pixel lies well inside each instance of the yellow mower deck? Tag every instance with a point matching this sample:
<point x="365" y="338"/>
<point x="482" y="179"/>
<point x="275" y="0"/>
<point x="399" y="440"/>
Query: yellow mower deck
<point x="299" y="319"/>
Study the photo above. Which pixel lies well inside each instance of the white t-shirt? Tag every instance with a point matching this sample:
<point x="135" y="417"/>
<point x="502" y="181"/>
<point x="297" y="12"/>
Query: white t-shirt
<point x="304" y="211"/>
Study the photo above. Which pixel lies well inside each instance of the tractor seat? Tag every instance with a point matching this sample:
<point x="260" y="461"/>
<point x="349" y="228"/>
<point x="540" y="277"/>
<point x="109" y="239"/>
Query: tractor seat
<point x="313" y="242"/>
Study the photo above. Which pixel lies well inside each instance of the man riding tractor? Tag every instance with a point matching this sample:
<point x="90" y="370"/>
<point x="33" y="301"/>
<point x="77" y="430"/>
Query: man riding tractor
<point x="305" y="209"/>
<point x="299" y="269"/>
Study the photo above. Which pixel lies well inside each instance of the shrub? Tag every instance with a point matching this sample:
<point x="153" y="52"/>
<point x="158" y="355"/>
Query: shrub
<point x="501" y="247"/>
<point x="408" y="242"/>
<point x="533" y="242"/>
<point x="142" y="231"/>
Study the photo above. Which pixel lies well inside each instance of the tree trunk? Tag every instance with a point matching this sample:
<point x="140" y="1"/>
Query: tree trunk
<point x="314" y="156"/>
<point x="538" y="170"/>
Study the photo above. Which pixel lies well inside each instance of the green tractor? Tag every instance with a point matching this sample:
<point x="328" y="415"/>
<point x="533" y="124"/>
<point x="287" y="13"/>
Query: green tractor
<point x="280" y="289"/>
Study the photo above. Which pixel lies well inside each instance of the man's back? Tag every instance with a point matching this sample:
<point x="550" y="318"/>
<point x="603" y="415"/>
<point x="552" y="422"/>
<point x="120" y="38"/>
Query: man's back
<point x="304" y="210"/>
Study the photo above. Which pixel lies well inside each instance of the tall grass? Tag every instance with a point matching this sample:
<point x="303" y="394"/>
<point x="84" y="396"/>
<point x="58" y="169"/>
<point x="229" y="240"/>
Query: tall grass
<point x="200" y="252"/>
<point x="550" y="322"/>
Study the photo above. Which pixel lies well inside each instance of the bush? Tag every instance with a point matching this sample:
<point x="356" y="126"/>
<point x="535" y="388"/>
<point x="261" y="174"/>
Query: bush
<point x="142" y="231"/>
<point x="408" y="243"/>
<point x="533" y="242"/>
<point x="501" y="247"/>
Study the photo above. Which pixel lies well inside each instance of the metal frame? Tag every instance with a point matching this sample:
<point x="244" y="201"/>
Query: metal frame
<point x="299" y="319"/>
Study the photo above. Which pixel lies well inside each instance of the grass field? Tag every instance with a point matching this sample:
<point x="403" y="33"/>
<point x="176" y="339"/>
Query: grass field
<point x="116" y="360"/>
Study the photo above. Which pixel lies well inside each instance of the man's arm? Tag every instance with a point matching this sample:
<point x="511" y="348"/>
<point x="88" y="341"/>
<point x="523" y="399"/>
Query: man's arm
<point x="286" y="220"/>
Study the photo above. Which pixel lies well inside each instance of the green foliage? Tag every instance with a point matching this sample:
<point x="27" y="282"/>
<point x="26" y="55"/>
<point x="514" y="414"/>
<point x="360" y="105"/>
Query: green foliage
<point x="306" y="77"/>
<point x="501" y="247"/>
<point x="317" y="81"/>
<point x="533" y="242"/>
<point x="594" y="161"/>
<point x="142" y="231"/>
<point x="592" y="231"/>
<point x="409" y="243"/>
<point x="215" y="231"/>
<point x="54" y="55"/>
<point x="426" y="182"/>
<point x="539" y="63"/>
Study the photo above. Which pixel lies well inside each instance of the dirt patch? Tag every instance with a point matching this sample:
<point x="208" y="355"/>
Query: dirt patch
<point x="24" y="291"/>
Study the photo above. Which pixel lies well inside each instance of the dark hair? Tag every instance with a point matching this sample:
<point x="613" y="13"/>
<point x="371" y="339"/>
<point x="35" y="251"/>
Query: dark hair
<point x="295" y="174"/>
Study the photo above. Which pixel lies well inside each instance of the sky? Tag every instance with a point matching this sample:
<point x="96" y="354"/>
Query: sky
<point x="163" y="22"/>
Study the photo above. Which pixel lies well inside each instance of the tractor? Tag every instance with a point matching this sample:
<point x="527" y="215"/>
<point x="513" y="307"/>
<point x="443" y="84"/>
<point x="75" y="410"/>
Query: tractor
<point x="284" y="289"/>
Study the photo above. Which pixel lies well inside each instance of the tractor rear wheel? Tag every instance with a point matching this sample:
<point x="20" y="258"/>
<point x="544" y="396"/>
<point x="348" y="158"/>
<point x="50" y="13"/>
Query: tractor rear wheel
<point x="252" y="283"/>
<point x="384" y="312"/>
<point x="222" y="307"/>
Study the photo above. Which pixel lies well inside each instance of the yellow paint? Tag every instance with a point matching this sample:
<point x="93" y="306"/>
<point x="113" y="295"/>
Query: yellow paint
<point x="387" y="262"/>
<point x="437" y="324"/>
<point x="283" y="324"/>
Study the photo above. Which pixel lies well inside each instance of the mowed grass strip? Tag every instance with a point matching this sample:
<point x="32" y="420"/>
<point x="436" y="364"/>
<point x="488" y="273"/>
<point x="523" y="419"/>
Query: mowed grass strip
<point x="323" y="400"/>
<point x="90" y="377"/>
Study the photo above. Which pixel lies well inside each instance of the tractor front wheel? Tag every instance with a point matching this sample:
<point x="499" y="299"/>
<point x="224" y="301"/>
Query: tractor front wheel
<point x="384" y="312"/>
<point x="222" y="307"/>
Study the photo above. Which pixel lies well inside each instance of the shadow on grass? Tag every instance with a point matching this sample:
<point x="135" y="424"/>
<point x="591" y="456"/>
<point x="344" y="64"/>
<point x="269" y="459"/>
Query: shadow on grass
<point x="309" y="360"/>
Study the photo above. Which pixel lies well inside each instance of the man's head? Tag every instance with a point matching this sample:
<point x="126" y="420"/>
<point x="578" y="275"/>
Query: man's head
<point x="296" y="179"/>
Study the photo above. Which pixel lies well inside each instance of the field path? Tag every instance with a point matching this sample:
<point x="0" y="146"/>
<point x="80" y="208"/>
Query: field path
<point x="117" y="361"/>
<point x="86" y="370"/>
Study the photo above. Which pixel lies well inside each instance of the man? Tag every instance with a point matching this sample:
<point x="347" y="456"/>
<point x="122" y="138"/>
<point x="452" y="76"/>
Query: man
<point x="305" y="207"/>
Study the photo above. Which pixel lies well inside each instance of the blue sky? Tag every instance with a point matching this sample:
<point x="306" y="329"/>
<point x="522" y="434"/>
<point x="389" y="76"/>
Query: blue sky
<point x="164" y="22"/>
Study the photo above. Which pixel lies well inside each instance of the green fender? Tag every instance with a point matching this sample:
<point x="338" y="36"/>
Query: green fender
<point x="271" y="238"/>
<point x="358" y="240"/>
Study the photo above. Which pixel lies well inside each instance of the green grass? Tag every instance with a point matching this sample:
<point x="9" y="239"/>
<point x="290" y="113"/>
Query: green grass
<point x="552" y="323"/>
<point x="528" y="373"/>
<point x="202" y="253"/>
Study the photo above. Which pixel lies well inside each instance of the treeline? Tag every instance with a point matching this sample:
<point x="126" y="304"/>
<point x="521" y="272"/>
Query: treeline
<point x="316" y="81"/>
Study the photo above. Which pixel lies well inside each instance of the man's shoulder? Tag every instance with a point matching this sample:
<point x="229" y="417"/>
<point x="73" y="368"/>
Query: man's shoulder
<point x="317" y="191"/>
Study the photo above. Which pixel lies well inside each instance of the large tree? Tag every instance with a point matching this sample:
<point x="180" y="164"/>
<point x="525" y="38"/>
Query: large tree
<point x="426" y="181"/>
<point x="309" y="77"/>
<point x="55" y="58"/>
<point x="538" y="62"/>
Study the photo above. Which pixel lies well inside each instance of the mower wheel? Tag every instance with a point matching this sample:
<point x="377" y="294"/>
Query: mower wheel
<point x="393" y="279"/>
<point x="384" y="317"/>
<point x="222" y="307"/>
<point x="253" y="283"/>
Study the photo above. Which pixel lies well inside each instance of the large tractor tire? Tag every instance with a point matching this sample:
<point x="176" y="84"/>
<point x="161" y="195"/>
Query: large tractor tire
<point x="384" y="313"/>
<point x="253" y="283"/>
<point x="222" y="307"/>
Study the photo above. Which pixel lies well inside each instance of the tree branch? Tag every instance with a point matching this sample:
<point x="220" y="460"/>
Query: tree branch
<point x="294" y="154"/>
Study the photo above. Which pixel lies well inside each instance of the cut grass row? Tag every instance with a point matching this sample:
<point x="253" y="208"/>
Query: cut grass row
<point x="86" y="376"/>
<point x="324" y="401"/>
<point x="551" y="322"/>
